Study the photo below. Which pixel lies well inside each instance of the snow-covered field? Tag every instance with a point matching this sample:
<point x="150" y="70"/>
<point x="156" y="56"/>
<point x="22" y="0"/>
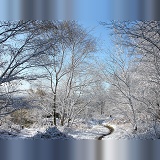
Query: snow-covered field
<point x="91" y="129"/>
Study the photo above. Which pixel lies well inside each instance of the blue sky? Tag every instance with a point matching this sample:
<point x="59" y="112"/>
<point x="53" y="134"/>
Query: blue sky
<point x="100" y="32"/>
<point x="97" y="30"/>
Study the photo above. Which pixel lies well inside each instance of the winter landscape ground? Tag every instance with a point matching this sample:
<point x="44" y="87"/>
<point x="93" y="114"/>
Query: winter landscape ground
<point x="95" y="129"/>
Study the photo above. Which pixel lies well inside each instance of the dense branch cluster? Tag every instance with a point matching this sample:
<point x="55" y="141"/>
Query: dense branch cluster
<point x="136" y="77"/>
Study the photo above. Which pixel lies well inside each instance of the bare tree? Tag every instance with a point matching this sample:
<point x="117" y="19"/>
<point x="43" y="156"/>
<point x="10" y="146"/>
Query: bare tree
<point x="118" y="74"/>
<point x="19" y="52"/>
<point x="141" y="40"/>
<point x="68" y="60"/>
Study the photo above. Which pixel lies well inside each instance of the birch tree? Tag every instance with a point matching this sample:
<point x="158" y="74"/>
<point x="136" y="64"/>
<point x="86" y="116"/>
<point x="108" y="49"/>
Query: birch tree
<point x="69" y="59"/>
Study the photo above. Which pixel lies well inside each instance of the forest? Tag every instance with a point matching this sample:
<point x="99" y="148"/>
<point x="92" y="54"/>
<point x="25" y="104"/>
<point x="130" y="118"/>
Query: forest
<point x="58" y="82"/>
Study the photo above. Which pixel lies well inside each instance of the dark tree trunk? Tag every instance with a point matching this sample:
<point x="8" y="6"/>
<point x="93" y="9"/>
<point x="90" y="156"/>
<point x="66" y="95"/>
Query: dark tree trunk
<point x="62" y="120"/>
<point x="54" y="114"/>
<point x="54" y="109"/>
<point x="63" y="117"/>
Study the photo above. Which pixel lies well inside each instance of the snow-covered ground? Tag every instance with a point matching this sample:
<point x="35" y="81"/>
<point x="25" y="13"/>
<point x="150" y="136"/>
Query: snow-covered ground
<point x="82" y="129"/>
<point x="35" y="133"/>
<point x="90" y="130"/>
<point x="86" y="133"/>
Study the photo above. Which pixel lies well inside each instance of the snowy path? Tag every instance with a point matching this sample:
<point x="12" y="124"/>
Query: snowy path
<point x="111" y="130"/>
<point x="94" y="133"/>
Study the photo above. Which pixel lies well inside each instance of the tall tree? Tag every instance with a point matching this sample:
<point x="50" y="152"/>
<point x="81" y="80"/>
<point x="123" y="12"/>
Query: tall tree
<point x="142" y="42"/>
<point x="68" y="60"/>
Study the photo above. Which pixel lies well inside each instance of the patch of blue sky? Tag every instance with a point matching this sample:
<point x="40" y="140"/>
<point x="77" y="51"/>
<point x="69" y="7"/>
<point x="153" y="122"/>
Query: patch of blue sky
<point x="105" y="44"/>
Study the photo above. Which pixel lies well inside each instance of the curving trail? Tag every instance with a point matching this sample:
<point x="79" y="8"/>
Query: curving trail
<point x="111" y="130"/>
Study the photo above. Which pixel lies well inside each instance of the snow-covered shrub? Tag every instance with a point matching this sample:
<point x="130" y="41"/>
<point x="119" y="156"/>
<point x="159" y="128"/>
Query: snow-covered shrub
<point x="22" y="117"/>
<point x="52" y="133"/>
